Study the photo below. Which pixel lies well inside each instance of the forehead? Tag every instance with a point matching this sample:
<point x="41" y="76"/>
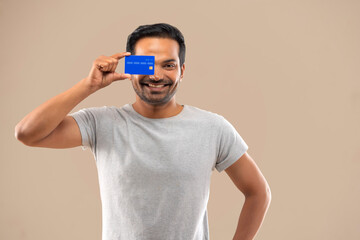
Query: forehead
<point x="161" y="48"/>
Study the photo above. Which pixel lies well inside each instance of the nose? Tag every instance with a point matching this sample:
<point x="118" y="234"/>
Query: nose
<point x="157" y="75"/>
<point x="154" y="77"/>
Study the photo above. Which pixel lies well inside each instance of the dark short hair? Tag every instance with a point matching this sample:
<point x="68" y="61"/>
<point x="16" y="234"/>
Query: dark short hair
<point x="161" y="30"/>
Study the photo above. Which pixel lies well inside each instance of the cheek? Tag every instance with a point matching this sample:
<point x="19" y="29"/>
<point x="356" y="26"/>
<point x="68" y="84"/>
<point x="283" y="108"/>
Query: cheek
<point x="175" y="84"/>
<point x="135" y="81"/>
<point x="175" y="76"/>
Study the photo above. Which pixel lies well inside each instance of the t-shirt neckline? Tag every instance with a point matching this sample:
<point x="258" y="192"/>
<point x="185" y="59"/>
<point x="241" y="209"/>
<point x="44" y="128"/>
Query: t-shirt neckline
<point x="157" y="119"/>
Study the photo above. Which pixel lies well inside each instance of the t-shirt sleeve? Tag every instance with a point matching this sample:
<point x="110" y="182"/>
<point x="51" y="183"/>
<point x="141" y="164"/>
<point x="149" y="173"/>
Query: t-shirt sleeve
<point x="231" y="146"/>
<point x="85" y="118"/>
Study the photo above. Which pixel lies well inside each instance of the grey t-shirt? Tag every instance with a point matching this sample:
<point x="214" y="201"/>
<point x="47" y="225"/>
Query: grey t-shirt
<point x="154" y="174"/>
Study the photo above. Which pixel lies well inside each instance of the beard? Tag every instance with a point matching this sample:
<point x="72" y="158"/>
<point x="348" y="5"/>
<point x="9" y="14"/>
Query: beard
<point x="155" y="97"/>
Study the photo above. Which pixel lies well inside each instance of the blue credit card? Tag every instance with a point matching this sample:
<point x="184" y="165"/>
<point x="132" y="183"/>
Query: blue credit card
<point x="140" y="64"/>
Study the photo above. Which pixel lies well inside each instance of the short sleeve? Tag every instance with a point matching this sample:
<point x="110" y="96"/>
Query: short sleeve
<point x="86" y="121"/>
<point x="231" y="146"/>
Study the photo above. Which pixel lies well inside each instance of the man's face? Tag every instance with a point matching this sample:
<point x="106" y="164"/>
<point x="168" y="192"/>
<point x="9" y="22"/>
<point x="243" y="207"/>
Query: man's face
<point x="167" y="70"/>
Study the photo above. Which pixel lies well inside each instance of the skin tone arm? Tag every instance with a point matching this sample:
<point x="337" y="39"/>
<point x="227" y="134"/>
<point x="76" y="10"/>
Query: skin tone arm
<point x="248" y="178"/>
<point x="49" y="126"/>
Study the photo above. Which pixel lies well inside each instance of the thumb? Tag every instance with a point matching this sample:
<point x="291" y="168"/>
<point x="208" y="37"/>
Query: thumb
<point x="121" y="55"/>
<point x="120" y="76"/>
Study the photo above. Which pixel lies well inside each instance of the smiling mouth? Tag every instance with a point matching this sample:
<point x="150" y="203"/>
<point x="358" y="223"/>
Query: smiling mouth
<point x="156" y="87"/>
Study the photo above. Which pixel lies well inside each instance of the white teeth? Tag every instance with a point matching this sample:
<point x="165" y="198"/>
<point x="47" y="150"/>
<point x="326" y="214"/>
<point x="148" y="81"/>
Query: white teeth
<point x="157" y="86"/>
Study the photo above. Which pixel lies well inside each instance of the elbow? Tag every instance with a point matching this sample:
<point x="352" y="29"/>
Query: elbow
<point x="263" y="194"/>
<point x="18" y="133"/>
<point x="21" y="136"/>
<point x="268" y="194"/>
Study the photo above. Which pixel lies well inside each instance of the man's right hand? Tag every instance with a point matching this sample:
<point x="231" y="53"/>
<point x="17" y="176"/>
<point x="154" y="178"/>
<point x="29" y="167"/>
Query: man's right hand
<point x="48" y="125"/>
<point x="103" y="72"/>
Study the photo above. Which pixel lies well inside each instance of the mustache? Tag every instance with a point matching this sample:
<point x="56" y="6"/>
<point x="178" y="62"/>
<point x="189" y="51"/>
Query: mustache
<point x="160" y="82"/>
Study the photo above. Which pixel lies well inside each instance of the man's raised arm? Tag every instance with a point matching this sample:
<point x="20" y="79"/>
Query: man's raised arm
<point x="48" y="125"/>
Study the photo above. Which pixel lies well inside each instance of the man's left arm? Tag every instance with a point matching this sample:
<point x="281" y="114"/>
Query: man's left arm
<point x="248" y="178"/>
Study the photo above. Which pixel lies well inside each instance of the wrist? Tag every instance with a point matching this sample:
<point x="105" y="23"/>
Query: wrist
<point x="87" y="88"/>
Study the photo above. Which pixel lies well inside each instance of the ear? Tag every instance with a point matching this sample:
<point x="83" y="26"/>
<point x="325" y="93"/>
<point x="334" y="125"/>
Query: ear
<point x="182" y="71"/>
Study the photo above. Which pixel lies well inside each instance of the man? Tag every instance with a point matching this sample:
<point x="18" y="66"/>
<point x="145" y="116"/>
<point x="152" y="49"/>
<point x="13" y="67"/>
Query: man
<point x="154" y="157"/>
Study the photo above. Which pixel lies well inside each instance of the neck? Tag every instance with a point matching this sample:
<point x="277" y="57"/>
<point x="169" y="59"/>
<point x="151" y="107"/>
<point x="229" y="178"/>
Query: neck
<point x="166" y="110"/>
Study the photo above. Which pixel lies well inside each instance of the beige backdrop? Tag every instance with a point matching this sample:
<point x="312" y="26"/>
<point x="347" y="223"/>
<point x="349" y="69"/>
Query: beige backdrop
<point x="284" y="73"/>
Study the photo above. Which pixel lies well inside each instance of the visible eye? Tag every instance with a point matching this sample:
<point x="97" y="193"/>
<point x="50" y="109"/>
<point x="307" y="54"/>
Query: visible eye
<point x="170" y="65"/>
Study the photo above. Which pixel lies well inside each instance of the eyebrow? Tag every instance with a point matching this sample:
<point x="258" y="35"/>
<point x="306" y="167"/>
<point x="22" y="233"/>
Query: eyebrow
<point x="169" y="60"/>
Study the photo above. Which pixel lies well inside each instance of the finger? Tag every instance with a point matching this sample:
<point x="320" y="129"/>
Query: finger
<point x="114" y="65"/>
<point x="103" y="66"/>
<point x="100" y="66"/>
<point x="107" y="64"/>
<point x="125" y="75"/>
<point x="121" y="55"/>
<point x="121" y="76"/>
